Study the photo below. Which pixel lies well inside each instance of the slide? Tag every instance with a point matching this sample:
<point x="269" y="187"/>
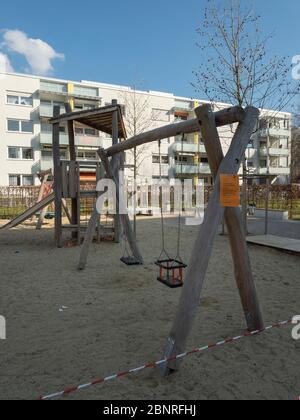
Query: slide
<point x="29" y="213"/>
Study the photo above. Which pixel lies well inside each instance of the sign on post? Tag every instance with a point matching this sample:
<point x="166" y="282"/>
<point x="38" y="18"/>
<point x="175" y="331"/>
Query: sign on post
<point x="230" y="191"/>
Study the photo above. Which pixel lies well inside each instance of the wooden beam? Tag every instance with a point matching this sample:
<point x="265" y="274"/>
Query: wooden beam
<point x="124" y="217"/>
<point x="40" y="222"/>
<point x="203" y="247"/>
<point x="57" y="180"/>
<point x="224" y="117"/>
<point x="73" y="158"/>
<point x="73" y="116"/>
<point x="233" y="219"/>
<point x="116" y="164"/>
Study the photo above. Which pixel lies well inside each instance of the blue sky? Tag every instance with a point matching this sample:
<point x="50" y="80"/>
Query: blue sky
<point x="151" y="43"/>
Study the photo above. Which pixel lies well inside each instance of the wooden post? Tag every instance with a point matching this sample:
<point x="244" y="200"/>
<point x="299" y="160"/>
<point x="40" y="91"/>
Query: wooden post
<point x="267" y="206"/>
<point x="233" y="220"/>
<point x="93" y="221"/>
<point x="124" y="217"/>
<point x="75" y="217"/>
<point x="57" y="180"/>
<point x="202" y="250"/>
<point x="116" y="163"/>
<point x="98" y="178"/>
<point x="40" y="222"/>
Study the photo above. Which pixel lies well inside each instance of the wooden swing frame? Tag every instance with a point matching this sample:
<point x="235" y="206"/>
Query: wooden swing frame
<point x="207" y="123"/>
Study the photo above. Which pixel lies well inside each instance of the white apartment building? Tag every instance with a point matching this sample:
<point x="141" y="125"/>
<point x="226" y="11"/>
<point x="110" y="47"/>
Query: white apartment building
<point x="26" y="104"/>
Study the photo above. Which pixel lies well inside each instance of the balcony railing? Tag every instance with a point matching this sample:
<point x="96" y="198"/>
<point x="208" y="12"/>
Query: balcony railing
<point x="84" y="141"/>
<point x="190" y="169"/>
<point x="188" y="147"/>
<point x="47" y="111"/>
<point x="274" y="152"/>
<point x="275" y="171"/>
<point x="275" y="132"/>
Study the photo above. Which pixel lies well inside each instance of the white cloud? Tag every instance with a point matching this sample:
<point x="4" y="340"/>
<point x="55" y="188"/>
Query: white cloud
<point x="5" y="66"/>
<point x="38" y="54"/>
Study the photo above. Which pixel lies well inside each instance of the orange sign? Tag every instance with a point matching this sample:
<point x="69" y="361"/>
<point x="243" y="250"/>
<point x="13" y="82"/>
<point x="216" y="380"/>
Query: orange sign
<point x="230" y="191"/>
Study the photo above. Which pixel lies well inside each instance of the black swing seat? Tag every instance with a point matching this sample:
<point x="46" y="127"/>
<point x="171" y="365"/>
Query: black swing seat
<point x="171" y="273"/>
<point x="131" y="261"/>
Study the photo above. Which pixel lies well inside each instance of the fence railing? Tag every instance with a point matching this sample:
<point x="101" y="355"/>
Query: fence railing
<point x="281" y="197"/>
<point x="15" y="200"/>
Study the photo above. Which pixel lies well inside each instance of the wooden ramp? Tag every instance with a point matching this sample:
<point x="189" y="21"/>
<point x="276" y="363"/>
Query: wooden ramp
<point x="277" y="242"/>
<point x="29" y="213"/>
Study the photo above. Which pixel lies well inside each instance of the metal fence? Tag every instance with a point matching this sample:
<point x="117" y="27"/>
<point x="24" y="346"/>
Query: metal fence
<point x="15" y="200"/>
<point x="281" y="197"/>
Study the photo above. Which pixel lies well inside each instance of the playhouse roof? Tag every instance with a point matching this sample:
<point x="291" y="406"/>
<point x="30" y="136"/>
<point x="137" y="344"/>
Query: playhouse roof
<point x="99" y="118"/>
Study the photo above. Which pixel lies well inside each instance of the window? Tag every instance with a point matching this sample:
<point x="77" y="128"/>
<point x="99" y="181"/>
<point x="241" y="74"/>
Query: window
<point x="20" y="153"/>
<point x="27" y="180"/>
<point x="155" y="159"/>
<point x="79" y="131"/>
<point x="14" y="153"/>
<point x="19" y="126"/>
<point x="90" y="132"/>
<point x="19" y="100"/>
<point x="85" y="131"/>
<point x="46" y="128"/>
<point x="87" y="155"/>
<point x="13" y="125"/>
<point x="27" y="154"/>
<point x="165" y="160"/>
<point x="263" y="163"/>
<point x="14" y="180"/>
<point x="26" y="126"/>
<point x="12" y="100"/>
<point x="26" y="101"/>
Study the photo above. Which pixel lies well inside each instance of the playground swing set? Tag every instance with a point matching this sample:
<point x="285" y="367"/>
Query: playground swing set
<point x="171" y="271"/>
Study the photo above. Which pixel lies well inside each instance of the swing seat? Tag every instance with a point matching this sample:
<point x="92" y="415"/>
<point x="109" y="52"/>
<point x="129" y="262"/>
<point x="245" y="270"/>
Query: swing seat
<point x="171" y="273"/>
<point x="131" y="261"/>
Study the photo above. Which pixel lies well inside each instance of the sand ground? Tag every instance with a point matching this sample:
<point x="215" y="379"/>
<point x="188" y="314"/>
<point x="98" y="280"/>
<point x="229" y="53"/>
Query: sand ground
<point x="118" y="317"/>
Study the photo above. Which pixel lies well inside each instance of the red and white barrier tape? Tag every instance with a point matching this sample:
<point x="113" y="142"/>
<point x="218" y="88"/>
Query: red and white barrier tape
<point x="161" y="362"/>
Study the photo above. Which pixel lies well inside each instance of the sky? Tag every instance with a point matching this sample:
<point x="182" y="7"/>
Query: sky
<point x="148" y="43"/>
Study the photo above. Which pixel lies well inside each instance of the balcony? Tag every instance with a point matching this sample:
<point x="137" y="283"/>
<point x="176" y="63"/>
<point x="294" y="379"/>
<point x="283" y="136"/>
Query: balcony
<point x="274" y="171"/>
<point x="274" y="152"/>
<point x="181" y="105"/>
<point x="61" y="89"/>
<point x="81" y="141"/>
<point x="47" y="111"/>
<point x="187" y="147"/>
<point x="275" y="132"/>
<point x="190" y="169"/>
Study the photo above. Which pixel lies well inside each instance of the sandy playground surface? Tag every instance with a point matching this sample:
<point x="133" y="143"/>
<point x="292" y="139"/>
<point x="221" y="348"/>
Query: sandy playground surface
<point x="119" y="317"/>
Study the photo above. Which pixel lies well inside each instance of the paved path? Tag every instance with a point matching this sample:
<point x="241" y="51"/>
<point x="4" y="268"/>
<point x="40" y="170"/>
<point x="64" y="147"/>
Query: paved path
<point x="277" y="242"/>
<point x="286" y="229"/>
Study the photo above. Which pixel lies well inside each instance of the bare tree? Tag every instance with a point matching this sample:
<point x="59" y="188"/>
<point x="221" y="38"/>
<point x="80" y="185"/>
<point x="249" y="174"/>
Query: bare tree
<point x="138" y="119"/>
<point x="236" y="67"/>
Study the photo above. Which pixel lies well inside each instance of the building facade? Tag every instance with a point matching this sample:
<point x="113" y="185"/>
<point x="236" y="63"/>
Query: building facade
<point x="26" y="105"/>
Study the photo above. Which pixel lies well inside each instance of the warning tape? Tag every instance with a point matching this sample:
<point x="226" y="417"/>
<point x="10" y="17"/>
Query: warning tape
<point x="164" y="361"/>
